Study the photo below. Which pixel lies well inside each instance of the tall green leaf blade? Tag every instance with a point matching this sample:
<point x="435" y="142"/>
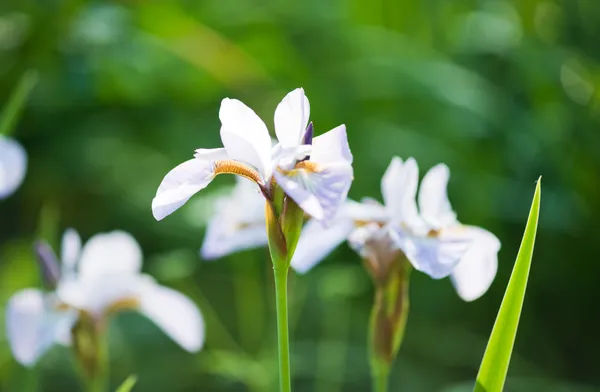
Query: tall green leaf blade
<point x="494" y="366"/>
<point x="128" y="384"/>
<point x="16" y="102"/>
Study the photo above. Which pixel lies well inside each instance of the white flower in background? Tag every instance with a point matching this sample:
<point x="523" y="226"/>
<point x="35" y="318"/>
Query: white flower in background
<point x="238" y="222"/>
<point x="316" y="174"/>
<point x="95" y="281"/>
<point x="13" y="165"/>
<point x="430" y="236"/>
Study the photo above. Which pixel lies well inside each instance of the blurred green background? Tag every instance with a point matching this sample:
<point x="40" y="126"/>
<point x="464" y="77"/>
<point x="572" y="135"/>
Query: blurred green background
<point x="501" y="91"/>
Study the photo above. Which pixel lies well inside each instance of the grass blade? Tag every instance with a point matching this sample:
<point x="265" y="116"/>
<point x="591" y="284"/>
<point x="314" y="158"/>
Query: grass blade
<point x="494" y="366"/>
<point x="128" y="384"/>
<point x="16" y="102"/>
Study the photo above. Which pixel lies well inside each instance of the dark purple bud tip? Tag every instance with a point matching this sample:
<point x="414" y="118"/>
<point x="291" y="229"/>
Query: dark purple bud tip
<point x="308" y="134"/>
<point x="48" y="263"/>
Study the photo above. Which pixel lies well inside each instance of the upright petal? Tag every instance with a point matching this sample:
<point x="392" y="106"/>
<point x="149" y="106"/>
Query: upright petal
<point x="477" y="268"/>
<point x="434" y="205"/>
<point x="238" y="223"/>
<point x="175" y="314"/>
<point x="332" y="147"/>
<point x="13" y="165"/>
<point x="116" y="253"/>
<point x="245" y="136"/>
<point x="316" y="242"/>
<point x="180" y="184"/>
<point x="436" y="256"/>
<point x="399" y="190"/>
<point x="291" y="118"/>
<point x="70" y="249"/>
<point x="320" y="186"/>
<point x="32" y="326"/>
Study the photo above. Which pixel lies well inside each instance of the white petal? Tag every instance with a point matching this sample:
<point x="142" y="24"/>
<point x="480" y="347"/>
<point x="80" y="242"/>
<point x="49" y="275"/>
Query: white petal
<point x="477" y="268"/>
<point x="97" y="294"/>
<point x="316" y="242"/>
<point x="332" y="147"/>
<point x="291" y="118"/>
<point x="70" y="248"/>
<point x="116" y="252"/>
<point x="239" y="222"/>
<point x="320" y="194"/>
<point x="433" y="198"/>
<point x="362" y="234"/>
<point x="180" y="184"/>
<point x="435" y="256"/>
<point x="245" y="136"/>
<point x="211" y="154"/>
<point x="175" y="314"/>
<point x="13" y="166"/>
<point x="32" y="326"/>
<point x="399" y="189"/>
<point x="368" y="210"/>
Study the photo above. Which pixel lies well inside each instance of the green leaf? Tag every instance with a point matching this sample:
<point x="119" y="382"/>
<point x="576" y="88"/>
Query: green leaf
<point x="494" y="366"/>
<point x="15" y="104"/>
<point x="128" y="384"/>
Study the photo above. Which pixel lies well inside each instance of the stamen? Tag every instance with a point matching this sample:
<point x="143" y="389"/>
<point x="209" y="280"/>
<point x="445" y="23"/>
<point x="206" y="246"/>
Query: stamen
<point x="234" y="167"/>
<point x="310" y="166"/>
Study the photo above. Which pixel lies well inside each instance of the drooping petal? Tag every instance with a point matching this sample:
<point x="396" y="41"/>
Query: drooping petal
<point x="175" y="314"/>
<point x="291" y="118"/>
<point x="32" y="326"/>
<point x="70" y="249"/>
<point x="180" y="184"/>
<point x="399" y="190"/>
<point x="436" y="256"/>
<point x="477" y="268"/>
<point x="13" y="166"/>
<point x="238" y="223"/>
<point x="320" y="185"/>
<point x="116" y="252"/>
<point x="316" y="242"/>
<point x="245" y="136"/>
<point x="434" y="205"/>
<point x="319" y="191"/>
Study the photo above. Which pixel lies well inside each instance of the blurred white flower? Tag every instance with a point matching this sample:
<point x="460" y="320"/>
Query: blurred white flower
<point x="13" y="165"/>
<point x="430" y="236"/>
<point x="316" y="174"/>
<point x="96" y="281"/>
<point x="238" y="222"/>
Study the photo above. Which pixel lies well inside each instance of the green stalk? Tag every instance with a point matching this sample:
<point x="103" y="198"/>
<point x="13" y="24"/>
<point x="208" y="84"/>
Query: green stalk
<point x="380" y="378"/>
<point x="99" y="381"/>
<point x="285" y="380"/>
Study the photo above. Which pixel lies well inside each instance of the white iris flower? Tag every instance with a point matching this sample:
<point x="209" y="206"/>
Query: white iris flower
<point x="96" y="281"/>
<point x="238" y="222"/>
<point x="315" y="173"/>
<point x="13" y="165"/>
<point x="429" y="234"/>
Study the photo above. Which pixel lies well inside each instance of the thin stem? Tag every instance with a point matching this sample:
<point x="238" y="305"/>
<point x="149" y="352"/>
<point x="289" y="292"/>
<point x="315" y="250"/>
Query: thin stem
<point x="285" y="382"/>
<point x="380" y="379"/>
<point x="98" y="382"/>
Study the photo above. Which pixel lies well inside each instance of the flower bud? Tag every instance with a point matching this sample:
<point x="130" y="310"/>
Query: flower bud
<point x="48" y="263"/>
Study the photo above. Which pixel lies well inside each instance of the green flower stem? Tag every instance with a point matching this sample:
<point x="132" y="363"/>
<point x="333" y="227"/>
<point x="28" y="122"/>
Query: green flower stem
<point x="380" y="378"/>
<point x="99" y="380"/>
<point x="285" y="381"/>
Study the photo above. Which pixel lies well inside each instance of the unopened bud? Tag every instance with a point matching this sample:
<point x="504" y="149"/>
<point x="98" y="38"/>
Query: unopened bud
<point x="48" y="263"/>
